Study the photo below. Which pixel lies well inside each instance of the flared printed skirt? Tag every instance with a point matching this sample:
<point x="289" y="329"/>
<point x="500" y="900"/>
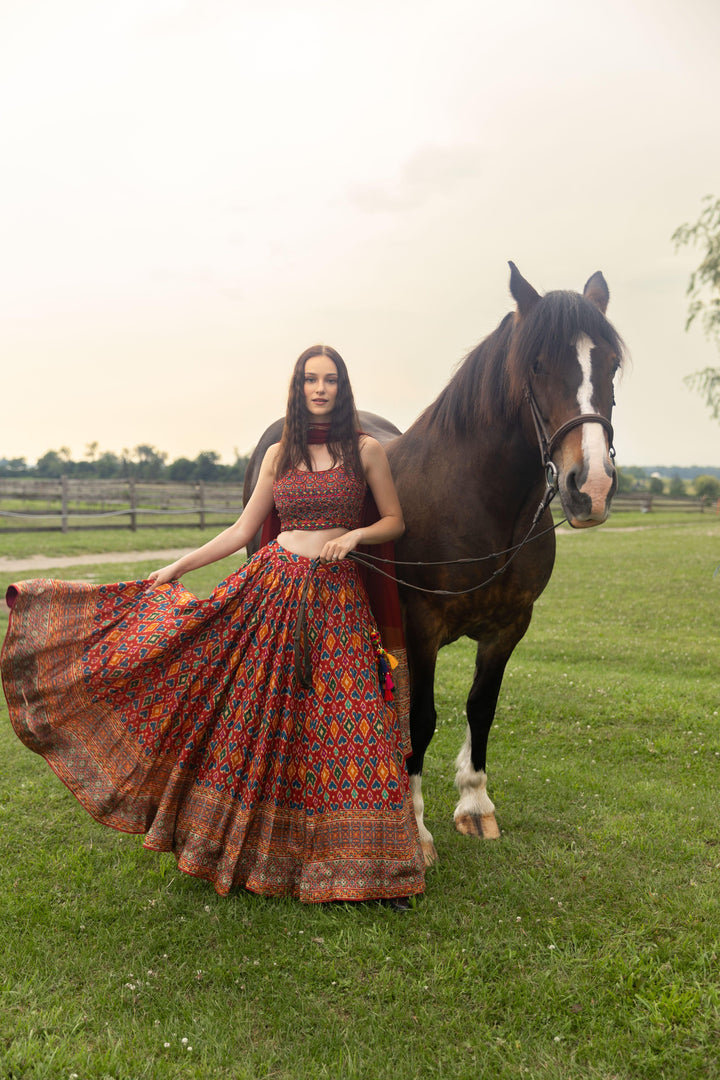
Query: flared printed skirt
<point x="184" y="719"/>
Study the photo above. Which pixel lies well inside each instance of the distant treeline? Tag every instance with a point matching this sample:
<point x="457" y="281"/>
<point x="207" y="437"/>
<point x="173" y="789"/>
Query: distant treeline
<point x="142" y="463"/>
<point x="689" y="472"/>
<point x="702" y="481"/>
<point x="148" y="463"/>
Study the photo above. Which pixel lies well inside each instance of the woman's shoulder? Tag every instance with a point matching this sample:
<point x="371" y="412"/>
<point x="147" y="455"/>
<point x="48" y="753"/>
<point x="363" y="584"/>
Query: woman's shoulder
<point x="370" y="448"/>
<point x="270" y="459"/>
<point x="366" y="441"/>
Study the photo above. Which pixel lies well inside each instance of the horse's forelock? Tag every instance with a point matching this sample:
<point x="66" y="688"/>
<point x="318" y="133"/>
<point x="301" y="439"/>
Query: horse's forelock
<point x="546" y="331"/>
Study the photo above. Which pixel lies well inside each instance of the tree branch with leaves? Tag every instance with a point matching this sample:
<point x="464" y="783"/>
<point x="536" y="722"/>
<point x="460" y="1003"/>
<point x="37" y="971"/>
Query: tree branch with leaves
<point x="703" y="292"/>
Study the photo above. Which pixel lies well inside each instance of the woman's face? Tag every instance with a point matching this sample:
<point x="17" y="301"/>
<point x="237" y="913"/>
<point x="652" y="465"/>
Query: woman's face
<point x="321" y="386"/>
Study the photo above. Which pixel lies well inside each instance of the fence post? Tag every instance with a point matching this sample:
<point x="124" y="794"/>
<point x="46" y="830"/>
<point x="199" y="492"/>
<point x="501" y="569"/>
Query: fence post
<point x="133" y="503"/>
<point x="201" y="494"/>
<point x="64" y="502"/>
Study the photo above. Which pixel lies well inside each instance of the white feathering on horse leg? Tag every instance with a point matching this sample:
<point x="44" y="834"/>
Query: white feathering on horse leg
<point x="475" y="812"/>
<point x="426" y="841"/>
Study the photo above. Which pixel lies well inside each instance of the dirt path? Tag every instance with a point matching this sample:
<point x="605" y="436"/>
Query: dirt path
<point x="165" y="555"/>
<point x="43" y="562"/>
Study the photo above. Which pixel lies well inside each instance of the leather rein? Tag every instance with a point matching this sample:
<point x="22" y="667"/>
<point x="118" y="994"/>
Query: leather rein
<point x="547" y="445"/>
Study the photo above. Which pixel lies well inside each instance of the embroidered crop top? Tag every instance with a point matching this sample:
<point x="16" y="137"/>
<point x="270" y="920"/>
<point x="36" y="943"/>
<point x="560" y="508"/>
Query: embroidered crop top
<point x="329" y="499"/>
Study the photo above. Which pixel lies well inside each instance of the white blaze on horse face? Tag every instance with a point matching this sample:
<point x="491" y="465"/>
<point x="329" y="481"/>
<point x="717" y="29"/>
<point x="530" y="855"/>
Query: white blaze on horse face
<point x="598" y="469"/>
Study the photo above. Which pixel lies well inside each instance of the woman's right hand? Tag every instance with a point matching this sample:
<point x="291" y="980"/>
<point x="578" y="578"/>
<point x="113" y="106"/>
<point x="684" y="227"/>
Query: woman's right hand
<point x="171" y="572"/>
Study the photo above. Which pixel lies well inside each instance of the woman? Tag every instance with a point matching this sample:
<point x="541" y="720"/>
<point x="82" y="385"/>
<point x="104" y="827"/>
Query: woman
<point x="247" y="733"/>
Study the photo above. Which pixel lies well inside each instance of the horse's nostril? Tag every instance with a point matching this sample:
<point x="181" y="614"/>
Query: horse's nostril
<point x="571" y="482"/>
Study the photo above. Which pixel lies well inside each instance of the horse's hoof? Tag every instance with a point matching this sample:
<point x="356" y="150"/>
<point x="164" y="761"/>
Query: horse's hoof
<point x="482" y="825"/>
<point x="429" y="851"/>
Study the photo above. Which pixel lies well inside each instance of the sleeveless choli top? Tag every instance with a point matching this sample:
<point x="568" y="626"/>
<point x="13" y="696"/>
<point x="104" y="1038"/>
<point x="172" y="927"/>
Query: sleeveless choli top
<point x="328" y="499"/>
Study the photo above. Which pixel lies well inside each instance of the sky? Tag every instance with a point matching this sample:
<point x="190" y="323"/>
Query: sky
<point x="194" y="191"/>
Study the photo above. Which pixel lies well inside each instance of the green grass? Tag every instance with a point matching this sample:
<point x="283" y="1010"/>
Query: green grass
<point x="585" y="944"/>
<point x="623" y="519"/>
<point x="97" y="541"/>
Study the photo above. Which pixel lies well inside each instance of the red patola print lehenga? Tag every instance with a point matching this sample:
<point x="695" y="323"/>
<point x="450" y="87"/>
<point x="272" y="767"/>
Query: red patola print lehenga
<point x="187" y="719"/>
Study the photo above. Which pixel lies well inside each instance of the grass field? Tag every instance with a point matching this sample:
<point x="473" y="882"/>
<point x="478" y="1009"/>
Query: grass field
<point x="91" y="541"/>
<point x="584" y="944"/>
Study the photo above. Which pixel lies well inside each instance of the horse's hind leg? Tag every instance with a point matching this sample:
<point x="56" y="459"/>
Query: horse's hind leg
<point x="427" y="843"/>
<point x="475" y="812"/>
<point x="421" y="659"/>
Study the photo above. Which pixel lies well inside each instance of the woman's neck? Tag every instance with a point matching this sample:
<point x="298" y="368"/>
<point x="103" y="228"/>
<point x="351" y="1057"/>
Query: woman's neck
<point x="317" y="434"/>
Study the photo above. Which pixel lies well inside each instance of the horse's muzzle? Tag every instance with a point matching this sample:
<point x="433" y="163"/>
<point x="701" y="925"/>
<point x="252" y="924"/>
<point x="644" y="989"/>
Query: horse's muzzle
<point x="586" y="495"/>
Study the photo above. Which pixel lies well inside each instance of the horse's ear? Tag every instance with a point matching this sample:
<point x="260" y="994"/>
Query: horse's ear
<point x="597" y="292"/>
<point x="522" y="291"/>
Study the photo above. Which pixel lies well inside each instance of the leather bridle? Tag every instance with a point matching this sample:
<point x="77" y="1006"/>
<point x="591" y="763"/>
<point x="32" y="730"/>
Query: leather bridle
<point x="548" y="444"/>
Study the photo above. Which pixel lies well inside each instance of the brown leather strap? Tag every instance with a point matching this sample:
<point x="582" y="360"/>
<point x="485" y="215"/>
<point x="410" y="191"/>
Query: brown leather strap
<point x="301" y="641"/>
<point x="549" y="443"/>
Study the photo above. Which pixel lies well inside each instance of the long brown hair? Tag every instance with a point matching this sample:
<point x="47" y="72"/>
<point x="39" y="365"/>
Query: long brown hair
<point x="342" y="441"/>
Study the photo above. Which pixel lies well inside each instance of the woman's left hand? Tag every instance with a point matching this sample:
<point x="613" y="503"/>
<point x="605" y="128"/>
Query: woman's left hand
<point x="340" y="546"/>
<point x="171" y="572"/>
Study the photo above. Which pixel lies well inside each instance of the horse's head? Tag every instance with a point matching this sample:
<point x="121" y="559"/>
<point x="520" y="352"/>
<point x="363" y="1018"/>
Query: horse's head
<point x="562" y="361"/>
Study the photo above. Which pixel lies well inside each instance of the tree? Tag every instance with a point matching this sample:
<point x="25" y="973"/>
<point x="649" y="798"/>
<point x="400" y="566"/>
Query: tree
<point x="656" y="485"/>
<point x="182" y="469"/>
<point x="704" y="293"/>
<point x="677" y="486"/>
<point x="634" y="478"/>
<point x="625" y="482"/>
<point x="707" y="384"/>
<point x="16" y="466"/>
<point x="51" y="465"/>
<point x="236" y="471"/>
<point x="707" y="487"/>
<point x="206" y="465"/>
<point x="108" y="465"/>
<point x="151" y="462"/>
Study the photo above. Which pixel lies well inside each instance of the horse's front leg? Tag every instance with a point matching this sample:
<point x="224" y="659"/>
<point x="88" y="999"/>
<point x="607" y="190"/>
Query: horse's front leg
<point x="475" y="811"/>
<point x="421" y="662"/>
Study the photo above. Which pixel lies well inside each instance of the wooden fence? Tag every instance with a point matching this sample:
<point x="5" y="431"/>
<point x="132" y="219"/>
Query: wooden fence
<point x="646" y="503"/>
<point x="31" y="504"/>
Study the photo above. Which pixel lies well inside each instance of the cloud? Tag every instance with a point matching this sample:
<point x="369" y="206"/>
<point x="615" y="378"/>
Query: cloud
<point x="431" y="172"/>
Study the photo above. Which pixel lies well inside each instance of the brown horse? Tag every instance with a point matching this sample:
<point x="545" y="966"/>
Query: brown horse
<point x="474" y="474"/>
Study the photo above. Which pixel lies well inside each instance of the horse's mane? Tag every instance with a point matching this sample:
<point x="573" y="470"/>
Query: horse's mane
<point x="492" y="379"/>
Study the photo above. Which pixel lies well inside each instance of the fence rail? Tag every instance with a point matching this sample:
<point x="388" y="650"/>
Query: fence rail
<point x="646" y="503"/>
<point x="31" y="504"/>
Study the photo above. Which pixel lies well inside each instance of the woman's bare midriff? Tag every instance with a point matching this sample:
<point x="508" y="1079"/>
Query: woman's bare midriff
<point x="308" y="543"/>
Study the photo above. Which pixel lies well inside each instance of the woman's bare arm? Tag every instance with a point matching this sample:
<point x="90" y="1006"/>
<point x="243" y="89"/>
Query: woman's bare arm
<point x="236" y="536"/>
<point x="390" y="524"/>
